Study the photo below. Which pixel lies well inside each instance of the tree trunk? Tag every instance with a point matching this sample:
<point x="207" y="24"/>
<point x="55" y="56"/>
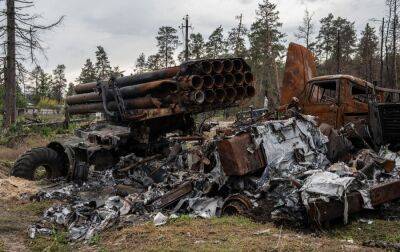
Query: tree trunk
<point x="10" y="115"/>
<point x="394" y="67"/>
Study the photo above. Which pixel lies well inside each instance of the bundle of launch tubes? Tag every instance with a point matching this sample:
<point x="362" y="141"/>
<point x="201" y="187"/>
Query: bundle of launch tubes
<point x="204" y="84"/>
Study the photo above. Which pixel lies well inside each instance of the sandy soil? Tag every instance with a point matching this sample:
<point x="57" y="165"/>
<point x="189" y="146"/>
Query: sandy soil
<point x="13" y="187"/>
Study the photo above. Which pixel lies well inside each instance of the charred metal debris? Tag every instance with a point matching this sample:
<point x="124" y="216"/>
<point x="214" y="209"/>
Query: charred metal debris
<point x="149" y="161"/>
<point x="288" y="169"/>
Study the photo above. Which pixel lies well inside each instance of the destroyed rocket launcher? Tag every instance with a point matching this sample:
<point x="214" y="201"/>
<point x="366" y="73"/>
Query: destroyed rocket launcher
<point x="193" y="87"/>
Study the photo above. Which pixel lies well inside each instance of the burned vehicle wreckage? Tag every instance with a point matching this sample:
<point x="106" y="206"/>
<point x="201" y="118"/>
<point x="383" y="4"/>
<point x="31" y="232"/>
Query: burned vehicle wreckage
<point x="297" y="168"/>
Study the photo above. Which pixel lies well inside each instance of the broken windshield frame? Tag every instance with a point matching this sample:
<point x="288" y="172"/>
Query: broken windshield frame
<point x="324" y="92"/>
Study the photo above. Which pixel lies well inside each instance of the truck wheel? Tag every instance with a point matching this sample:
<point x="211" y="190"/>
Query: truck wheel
<point x="29" y="163"/>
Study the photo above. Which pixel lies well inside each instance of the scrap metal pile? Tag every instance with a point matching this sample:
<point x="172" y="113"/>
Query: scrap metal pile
<point x="280" y="168"/>
<point x="195" y="86"/>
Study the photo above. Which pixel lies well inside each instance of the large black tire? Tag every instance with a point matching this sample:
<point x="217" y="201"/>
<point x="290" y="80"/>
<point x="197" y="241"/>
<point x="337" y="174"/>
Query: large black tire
<point x="26" y="165"/>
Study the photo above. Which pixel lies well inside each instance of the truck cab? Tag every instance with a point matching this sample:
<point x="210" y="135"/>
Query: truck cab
<point x="341" y="99"/>
<point x="337" y="99"/>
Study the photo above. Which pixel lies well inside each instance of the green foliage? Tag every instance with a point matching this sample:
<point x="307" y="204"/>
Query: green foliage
<point x="216" y="46"/>
<point x="88" y="73"/>
<point x="266" y="48"/>
<point x="57" y="242"/>
<point x="237" y="40"/>
<point x="21" y="100"/>
<point x="102" y="66"/>
<point x="70" y="90"/>
<point x="334" y="30"/>
<point x="59" y="83"/>
<point x="141" y="66"/>
<point x="95" y="240"/>
<point x="154" y="62"/>
<point x="167" y="42"/>
<point x="196" y="47"/>
<point x="367" y="52"/>
<point x="47" y="103"/>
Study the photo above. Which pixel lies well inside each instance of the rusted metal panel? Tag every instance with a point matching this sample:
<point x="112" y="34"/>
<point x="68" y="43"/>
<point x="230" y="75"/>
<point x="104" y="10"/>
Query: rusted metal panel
<point x="237" y="158"/>
<point x="300" y="68"/>
<point x="321" y="211"/>
<point x="173" y="196"/>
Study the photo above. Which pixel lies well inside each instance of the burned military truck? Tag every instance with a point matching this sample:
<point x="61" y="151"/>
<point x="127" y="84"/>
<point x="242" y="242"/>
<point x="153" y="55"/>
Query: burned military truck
<point x="342" y="100"/>
<point x="140" y="110"/>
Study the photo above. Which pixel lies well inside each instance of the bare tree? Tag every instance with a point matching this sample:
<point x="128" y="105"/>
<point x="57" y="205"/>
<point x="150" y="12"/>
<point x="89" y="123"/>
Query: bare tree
<point x="21" y="41"/>
<point x="306" y="29"/>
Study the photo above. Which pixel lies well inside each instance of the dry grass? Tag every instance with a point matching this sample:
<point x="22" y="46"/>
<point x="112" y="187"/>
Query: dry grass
<point x="21" y="146"/>
<point x="15" y="218"/>
<point x="223" y="234"/>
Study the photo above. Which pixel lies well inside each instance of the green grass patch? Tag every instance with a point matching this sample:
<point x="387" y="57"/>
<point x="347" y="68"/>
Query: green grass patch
<point x="2" y="248"/>
<point x="35" y="208"/>
<point x="234" y="220"/>
<point x="379" y="230"/>
<point x="57" y="242"/>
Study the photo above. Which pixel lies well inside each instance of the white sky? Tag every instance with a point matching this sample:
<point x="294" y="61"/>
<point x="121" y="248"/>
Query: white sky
<point x="128" y="27"/>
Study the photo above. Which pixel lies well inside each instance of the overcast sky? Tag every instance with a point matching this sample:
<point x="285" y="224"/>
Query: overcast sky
<point x="128" y="27"/>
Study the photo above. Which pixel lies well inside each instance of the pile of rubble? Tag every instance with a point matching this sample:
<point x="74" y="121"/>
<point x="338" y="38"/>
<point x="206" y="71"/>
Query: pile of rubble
<point x="287" y="168"/>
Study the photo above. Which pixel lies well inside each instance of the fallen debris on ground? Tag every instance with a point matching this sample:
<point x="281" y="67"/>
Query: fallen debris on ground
<point x="280" y="166"/>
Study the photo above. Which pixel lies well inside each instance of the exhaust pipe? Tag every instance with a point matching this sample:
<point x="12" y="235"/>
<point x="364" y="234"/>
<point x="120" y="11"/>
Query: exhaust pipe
<point x="229" y="80"/>
<point x="250" y="91"/>
<point x="241" y="93"/>
<point x="237" y="65"/>
<point x="218" y="81"/>
<point x="210" y="96"/>
<point x="228" y="66"/>
<point x="192" y="82"/>
<point x="248" y="78"/>
<point x="218" y="67"/>
<point x="239" y="79"/>
<point x="220" y="95"/>
<point x="230" y="94"/>
<point x="208" y="81"/>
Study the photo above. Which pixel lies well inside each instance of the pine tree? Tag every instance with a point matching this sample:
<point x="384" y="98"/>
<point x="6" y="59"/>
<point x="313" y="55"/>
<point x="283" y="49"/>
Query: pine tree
<point x="35" y="79"/>
<point x="167" y="42"/>
<point x="237" y="39"/>
<point x="44" y="85"/>
<point x="216" y="45"/>
<point x="59" y="83"/>
<point x="102" y="67"/>
<point x="367" y="52"/>
<point x="306" y="30"/>
<point x="70" y="90"/>
<point x="266" y="46"/>
<point x="196" y="47"/>
<point x="154" y="62"/>
<point x="140" y="66"/>
<point x="336" y="36"/>
<point x="88" y="73"/>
